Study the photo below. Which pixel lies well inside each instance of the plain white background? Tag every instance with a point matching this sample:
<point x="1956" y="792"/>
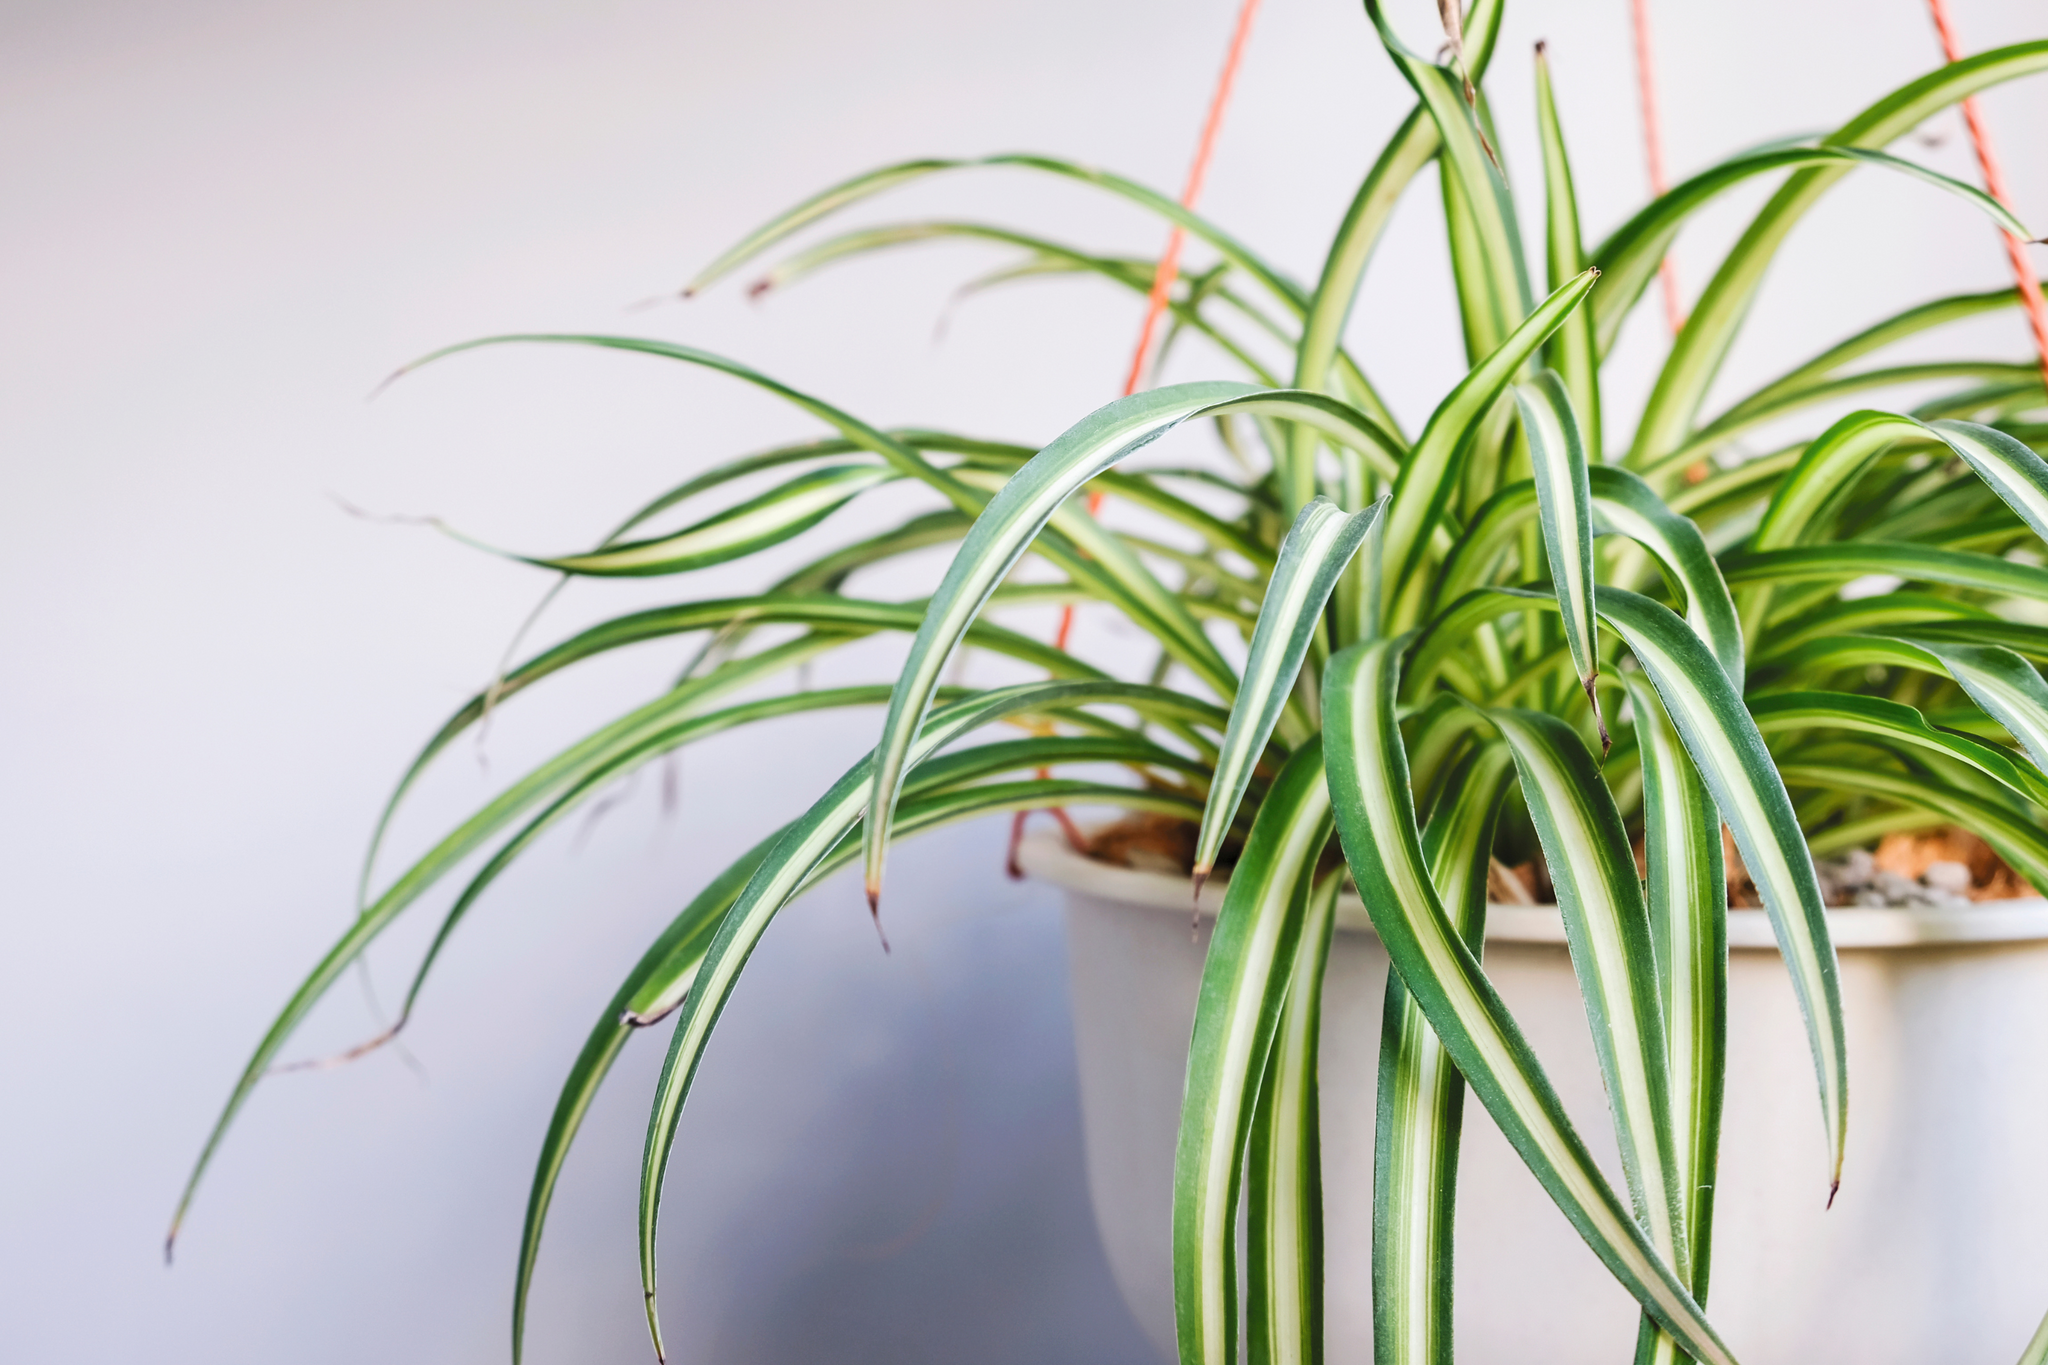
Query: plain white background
<point x="223" y="223"/>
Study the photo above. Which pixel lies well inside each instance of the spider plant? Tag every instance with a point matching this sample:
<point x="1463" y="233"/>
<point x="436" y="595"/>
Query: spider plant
<point x="1381" y="656"/>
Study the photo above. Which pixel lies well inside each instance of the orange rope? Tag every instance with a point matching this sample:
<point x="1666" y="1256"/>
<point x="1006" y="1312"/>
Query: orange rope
<point x="1994" y="185"/>
<point x="1168" y="270"/>
<point x="1653" y="150"/>
<point x="1163" y="277"/>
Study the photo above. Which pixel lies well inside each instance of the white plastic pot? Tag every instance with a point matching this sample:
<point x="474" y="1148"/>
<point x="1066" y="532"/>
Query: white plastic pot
<point x="1936" y="1250"/>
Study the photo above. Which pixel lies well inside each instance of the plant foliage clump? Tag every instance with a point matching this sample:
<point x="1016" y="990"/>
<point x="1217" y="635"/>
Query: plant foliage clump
<point x="1519" y="623"/>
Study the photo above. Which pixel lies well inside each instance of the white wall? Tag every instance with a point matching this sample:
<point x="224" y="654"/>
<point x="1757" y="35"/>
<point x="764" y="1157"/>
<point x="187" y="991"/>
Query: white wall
<point x="223" y="223"/>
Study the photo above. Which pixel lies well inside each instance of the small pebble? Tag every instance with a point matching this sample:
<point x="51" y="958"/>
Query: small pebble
<point x="1952" y="879"/>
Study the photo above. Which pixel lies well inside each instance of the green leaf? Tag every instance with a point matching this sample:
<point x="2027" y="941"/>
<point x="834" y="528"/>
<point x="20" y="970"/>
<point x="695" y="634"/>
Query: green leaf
<point x="1284" y="1180"/>
<point x="1622" y="505"/>
<point x="1632" y="254"/>
<point x="2015" y="837"/>
<point x="1880" y="613"/>
<point x="1315" y="552"/>
<point x="1431" y="472"/>
<point x="861" y="187"/>
<point x="2037" y="1349"/>
<point x="1048" y="257"/>
<point x="1793" y="712"/>
<point x="1721" y="434"/>
<point x="1607" y="925"/>
<point x="1697" y="354"/>
<point x="1244" y="980"/>
<point x="754" y="525"/>
<point x="686" y="935"/>
<point x="1422" y="1096"/>
<point x="1844" y="560"/>
<point x="1730" y="755"/>
<point x="786" y="869"/>
<point x="1375" y="818"/>
<point x="2005" y="685"/>
<point x="1826" y="474"/>
<point x="1015" y="518"/>
<point x="1572" y="351"/>
<point x="1413" y="146"/>
<point x="1564" y="496"/>
<point x="2014" y="472"/>
<point x="1497" y="299"/>
<point x="902" y="457"/>
<point x="1686" y="886"/>
<point x="836" y="620"/>
<point x="1876" y="337"/>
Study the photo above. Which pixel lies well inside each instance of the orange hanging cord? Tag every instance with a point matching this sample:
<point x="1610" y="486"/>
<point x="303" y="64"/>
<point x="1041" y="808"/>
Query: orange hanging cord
<point x="1994" y="185"/>
<point x="1164" y="276"/>
<point x="1167" y="272"/>
<point x="1653" y="150"/>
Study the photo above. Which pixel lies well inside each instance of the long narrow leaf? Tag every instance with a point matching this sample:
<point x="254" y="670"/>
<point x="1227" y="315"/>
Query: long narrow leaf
<point x="1686" y="886"/>
<point x="1572" y="351"/>
<point x="754" y="525"/>
<point x="1793" y="712"/>
<point x="1637" y="246"/>
<point x="1607" y="926"/>
<point x="1696" y="356"/>
<point x="1431" y="472"/>
<point x="1317" y="549"/>
<point x="788" y="866"/>
<point x="1730" y="755"/>
<point x="1504" y="297"/>
<point x="1369" y="789"/>
<point x="1557" y="455"/>
<point x="1284" y="1176"/>
<point x="1017" y="516"/>
<point x="1244" y="981"/>
<point x="1422" y="1097"/>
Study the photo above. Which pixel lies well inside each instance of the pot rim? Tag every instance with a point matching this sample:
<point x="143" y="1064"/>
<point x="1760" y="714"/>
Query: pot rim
<point x="1047" y="856"/>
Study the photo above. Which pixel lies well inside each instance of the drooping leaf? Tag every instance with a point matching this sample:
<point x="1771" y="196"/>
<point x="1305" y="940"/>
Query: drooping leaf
<point x="1622" y="504"/>
<point x="1015" y="518"/>
<point x="686" y="934"/>
<point x="1792" y="712"/>
<point x="1696" y="356"/>
<point x="1729" y="752"/>
<point x="754" y="525"/>
<point x="1879" y="335"/>
<point x="786" y="868"/>
<point x="865" y="186"/>
<point x="1686" y="886"/>
<point x="1244" y="982"/>
<point x="1607" y="925"/>
<point x="2014" y="836"/>
<point x="1422" y="1096"/>
<point x="1636" y="248"/>
<point x="2008" y="688"/>
<point x="1375" y="819"/>
<point x="1841" y="561"/>
<point x="1283" y="1176"/>
<point x="1316" y="550"/>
